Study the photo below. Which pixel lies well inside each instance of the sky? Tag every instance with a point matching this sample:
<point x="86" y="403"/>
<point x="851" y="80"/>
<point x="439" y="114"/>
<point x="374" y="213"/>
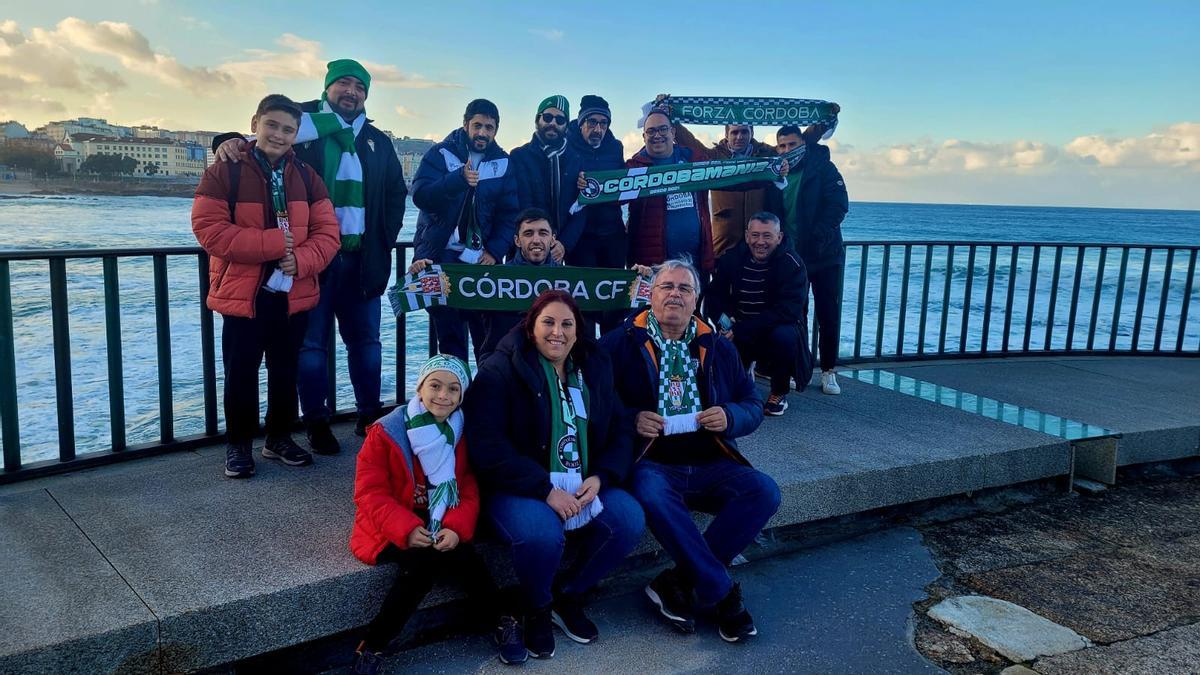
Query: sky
<point x="1046" y="103"/>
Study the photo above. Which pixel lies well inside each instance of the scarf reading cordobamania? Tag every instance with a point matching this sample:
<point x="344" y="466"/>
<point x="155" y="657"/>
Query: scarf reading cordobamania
<point x="433" y="445"/>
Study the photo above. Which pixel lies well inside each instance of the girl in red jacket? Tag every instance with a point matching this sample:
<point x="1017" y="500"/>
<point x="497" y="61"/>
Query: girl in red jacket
<point x="417" y="503"/>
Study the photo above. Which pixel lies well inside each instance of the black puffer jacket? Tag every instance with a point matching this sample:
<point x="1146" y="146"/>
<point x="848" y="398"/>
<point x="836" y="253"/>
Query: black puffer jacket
<point x="507" y="420"/>
<point x="823" y="205"/>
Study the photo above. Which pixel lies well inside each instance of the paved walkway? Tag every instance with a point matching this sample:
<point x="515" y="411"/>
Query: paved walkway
<point x="163" y="564"/>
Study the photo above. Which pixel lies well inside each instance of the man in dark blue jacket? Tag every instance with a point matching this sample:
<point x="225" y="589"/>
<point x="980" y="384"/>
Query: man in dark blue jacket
<point x="467" y="194"/>
<point x="602" y="242"/>
<point x="356" y="278"/>
<point x="812" y="208"/>
<point x="690" y="398"/>
<point x="758" y="299"/>
<point x="547" y="169"/>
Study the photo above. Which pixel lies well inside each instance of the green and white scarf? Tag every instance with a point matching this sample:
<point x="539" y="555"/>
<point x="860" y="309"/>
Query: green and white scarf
<point x="568" y="437"/>
<point x="761" y="111"/>
<point x="433" y="445"/>
<point x="343" y="173"/>
<point x="278" y="282"/>
<point x="678" y="390"/>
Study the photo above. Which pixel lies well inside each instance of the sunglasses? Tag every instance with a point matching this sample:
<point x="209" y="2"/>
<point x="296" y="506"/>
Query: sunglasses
<point x="551" y="117"/>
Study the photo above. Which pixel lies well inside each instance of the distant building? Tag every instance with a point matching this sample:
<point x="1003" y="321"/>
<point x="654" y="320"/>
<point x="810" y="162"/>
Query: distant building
<point x="170" y="157"/>
<point x="13" y="129"/>
<point x="58" y="131"/>
<point x="409" y="151"/>
<point x="68" y="157"/>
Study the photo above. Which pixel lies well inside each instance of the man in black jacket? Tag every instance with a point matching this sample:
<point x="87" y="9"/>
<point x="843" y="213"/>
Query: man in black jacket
<point x="812" y="208"/>
<point x="370" y="212"/>
<point x="547" y="169"/>
<point x="759" y="299"/>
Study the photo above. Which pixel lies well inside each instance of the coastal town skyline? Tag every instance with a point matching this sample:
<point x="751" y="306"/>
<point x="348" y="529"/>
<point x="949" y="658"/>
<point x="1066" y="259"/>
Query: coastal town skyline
<point x="1067" y="105"/>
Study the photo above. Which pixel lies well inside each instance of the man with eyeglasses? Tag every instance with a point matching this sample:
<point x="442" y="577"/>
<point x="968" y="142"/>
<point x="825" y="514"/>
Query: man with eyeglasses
<point x="547" y="170"/>
<point x="603" y="241"/>
<point x="690" y="397"/>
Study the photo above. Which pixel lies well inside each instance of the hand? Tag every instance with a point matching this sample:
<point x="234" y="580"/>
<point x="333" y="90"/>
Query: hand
<point x="565" y="505"/>
<point x="447" y="540"/>
<point x="470" y="174"/>
<point x="836" y="108"/>
<point x="713" y="419"/>
<point x="783" y="169"/>
<point x="420" y="538"/>
<point x="231" y="150"/>
<point x="588" y="491"/>
<point x="419" y="266"/>
<point x="643" y="271"/>
<point x="581" y="182"/>
<point x="288" y="241"/>
<point x="658" y="102"/>
<point x="487" y="259"/>
<point x="727" y="334"/>
<point x="557" y="250"/>
<point x="649" y="425"/>
<point x="288" y="264"/>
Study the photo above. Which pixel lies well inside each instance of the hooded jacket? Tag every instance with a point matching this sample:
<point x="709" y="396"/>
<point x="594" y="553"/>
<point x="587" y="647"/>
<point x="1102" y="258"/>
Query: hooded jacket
<point x="600" y="220"/>
<point x="507" y="413"/>
<point x="532" y="169"/>
<point x="384" y="197"/>
<point x="726" y="383"/>
<point x="385" y="481"/>
<point x="241" y="243"/>
<point x="441" y="193"/>
<point x="822" y="203"/>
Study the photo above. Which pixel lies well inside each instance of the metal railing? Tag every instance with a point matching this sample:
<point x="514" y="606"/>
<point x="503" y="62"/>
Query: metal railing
<point x="906" y="301"/>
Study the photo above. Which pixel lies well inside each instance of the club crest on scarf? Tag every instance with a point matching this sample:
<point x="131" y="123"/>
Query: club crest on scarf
<point x="568" y="453"/>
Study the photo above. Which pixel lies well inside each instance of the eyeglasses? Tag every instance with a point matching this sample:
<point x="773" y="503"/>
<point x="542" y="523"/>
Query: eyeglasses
<point x="658" y="131"/>
<point x="668" y="287"/>
<point x="551" y="117"/>
<point x="599" y="123"/>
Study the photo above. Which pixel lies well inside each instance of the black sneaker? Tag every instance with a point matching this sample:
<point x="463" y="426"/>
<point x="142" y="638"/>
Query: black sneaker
<point x="367" y="662"/>
<point x="776" y="405"/>
<point x="510" y="641"/>
<point x="674" y="601"/>
<point x="239" y="460"/>
<point x="733" y="621"/>
<point x="284" y="449"/>
<point x="365" y="420"/>
<point x="568" y="615"/>
<point x="539" y="634"/>
<point x="321" y="438"/>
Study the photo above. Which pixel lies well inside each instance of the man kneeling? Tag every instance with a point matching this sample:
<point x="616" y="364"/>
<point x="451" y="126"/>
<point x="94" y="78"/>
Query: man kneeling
<point x="691" y="398"/>
<point x="759" y="299"/>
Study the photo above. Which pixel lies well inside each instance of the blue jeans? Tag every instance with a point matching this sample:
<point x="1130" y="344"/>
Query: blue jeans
<point x="537" y="538"/>
<point x="741" y="498"/>
<point x="358" y="322"/>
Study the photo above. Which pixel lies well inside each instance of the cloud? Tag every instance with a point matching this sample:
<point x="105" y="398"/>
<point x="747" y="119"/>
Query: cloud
<point x="405" y="112"/>
<point x="1176" y="146"/>
<point x="41" y="60"/>
<point x="551" y="34"/>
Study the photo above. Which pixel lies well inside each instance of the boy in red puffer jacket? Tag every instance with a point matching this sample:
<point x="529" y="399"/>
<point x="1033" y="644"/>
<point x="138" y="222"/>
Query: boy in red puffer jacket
<point x="417" y="505"/>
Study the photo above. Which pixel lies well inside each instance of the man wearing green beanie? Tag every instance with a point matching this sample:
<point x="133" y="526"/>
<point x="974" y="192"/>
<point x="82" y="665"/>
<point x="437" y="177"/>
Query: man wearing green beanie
<point x="363" y="175"/>
<point x="547" y="169"/>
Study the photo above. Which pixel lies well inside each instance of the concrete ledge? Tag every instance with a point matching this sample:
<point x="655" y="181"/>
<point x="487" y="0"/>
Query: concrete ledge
<point x="165" y="565"/>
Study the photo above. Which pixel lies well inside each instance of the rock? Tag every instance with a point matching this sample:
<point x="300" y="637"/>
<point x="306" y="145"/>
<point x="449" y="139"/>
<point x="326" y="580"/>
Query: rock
<point x="1013" y="631"/>
<point x="1171" y="651"/>
<point x="1018" y="670"/>
<point x="942" y="647"/>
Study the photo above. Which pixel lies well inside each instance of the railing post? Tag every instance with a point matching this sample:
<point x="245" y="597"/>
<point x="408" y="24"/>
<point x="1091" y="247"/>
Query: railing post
<point x="1073" y="312"/>
<point x="903" y="300"/>
<point x="924" y="300"/>
<point x="1116" y="320"/>
<point x="1010" y="295"/>
<point x="883" y="287"/>
<point x="1058" y="251"/>
<point x="61" y="328"/>
<point x="1096" y="298"/>
<point x="966" y="318"/>
<point x="1187" y="301"/>
<point x="401" y="336"/>
<point x="162" y="320"/>
<point x="987" y="302"/>
<point x="946" y="299"/>
<point x="1033" y="277"/>
<point x="208" y="353"/>
<point x="862" y="292"/>
<point x="112" y="334"/>
<point x="1141" y="297"/>
<point x="9" y="422"/>
<point x="1162" y="301"/>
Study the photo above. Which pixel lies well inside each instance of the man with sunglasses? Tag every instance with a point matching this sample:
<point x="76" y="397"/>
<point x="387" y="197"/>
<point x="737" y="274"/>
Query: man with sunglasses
<point x="547" y="171"/>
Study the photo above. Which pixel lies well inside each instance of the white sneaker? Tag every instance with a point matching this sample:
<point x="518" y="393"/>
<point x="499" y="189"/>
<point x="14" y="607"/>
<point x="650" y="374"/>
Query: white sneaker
<point x="829" y="383"/>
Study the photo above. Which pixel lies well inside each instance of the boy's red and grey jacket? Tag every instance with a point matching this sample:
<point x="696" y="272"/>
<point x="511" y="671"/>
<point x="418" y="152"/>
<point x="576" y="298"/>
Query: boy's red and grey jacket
<point x="241" y="243"/>
<point x="384" y="491"/>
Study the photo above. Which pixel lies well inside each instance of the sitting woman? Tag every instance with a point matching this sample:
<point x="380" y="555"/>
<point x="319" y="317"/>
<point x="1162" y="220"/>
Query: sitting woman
<point x="550" y="444"/>
<point x="417" y="503"/>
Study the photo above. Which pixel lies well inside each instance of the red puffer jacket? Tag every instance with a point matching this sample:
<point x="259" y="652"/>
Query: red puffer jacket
<point x="384" y="491"/>
<point x="648" y="219"/>
<point x="241" y="243"/>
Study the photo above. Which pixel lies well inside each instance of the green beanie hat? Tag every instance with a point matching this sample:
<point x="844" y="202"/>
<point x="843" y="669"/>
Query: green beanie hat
<point x="555" y="101"/>
<point x="344" y="67"/>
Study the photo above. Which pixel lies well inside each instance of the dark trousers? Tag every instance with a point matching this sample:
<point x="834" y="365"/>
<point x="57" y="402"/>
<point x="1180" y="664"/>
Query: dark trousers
<point x="608" y="251"/>
<point x="498" y="325"/>
<point x="416" y="571"/>
<point x="776" y="349"/>
<point x="453" y="325"/>
<point x="827" y="306"/>
<point x="243" y="343"/>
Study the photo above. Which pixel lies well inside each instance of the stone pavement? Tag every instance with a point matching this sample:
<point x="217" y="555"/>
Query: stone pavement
<point x="164" y="565"/>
